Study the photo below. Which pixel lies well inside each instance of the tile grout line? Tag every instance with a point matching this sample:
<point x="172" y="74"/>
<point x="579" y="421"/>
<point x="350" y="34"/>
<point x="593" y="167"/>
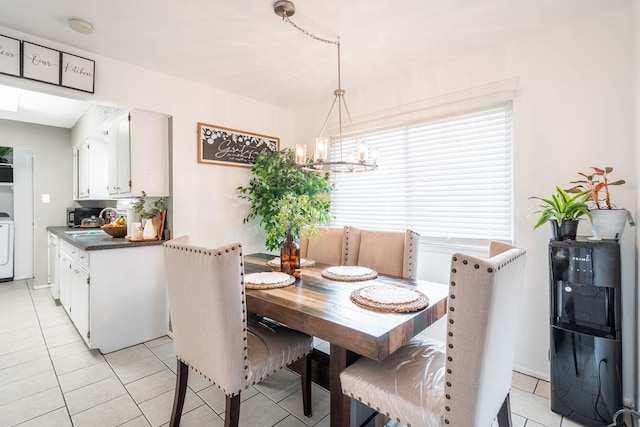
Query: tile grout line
<point x="53" y="366"/>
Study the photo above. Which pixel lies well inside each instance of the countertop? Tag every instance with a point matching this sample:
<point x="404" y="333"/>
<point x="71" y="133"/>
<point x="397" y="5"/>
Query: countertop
<point x="103" y="241"/>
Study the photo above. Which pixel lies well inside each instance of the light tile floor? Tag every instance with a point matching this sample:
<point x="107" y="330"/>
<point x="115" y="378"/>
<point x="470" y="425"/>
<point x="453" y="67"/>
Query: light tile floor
<point x="48" y="377"/>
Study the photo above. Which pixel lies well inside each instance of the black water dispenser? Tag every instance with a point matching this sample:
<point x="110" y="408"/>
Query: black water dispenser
<point x="586" y="348"/>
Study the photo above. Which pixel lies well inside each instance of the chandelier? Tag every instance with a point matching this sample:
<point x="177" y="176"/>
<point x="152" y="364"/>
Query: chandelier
<point x="365" y="158"/>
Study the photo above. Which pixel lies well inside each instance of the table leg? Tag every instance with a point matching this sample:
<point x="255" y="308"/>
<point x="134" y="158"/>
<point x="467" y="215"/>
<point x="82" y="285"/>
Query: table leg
<point x="339" y="358"/>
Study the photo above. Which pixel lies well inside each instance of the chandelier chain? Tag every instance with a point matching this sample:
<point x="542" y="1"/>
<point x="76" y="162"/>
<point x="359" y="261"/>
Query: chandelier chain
<point x="305" y="32"/>
<point x="321" y="161"/>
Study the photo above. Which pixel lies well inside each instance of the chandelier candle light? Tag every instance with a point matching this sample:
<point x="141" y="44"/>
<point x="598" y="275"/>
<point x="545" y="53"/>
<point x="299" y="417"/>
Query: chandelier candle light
<point x="365" y="159"/>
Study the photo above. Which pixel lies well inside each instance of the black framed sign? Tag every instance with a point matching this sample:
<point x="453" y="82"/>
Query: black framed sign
<point x="77" y="72"/>
<point x="10" y="56"/>
<point x="220" y="145"/>
<point x="40" y="63"/>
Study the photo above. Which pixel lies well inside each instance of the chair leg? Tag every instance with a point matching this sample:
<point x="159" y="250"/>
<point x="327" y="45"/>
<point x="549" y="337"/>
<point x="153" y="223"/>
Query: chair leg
<point x="504" y="415"/>
<point x="305" y="378"/>
<point x="180" y="393"/>
<point x="232" y="411"/>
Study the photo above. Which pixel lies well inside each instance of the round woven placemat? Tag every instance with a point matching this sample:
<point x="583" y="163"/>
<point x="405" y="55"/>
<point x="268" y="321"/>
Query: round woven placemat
<point x="275" y="263"/>
<point x="349" y="273"/>
<point x="268" y="280"/>
<point x="421" y="300"/>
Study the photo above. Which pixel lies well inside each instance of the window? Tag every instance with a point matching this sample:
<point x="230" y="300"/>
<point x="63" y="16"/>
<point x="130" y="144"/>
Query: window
<point x="447" y="178"/>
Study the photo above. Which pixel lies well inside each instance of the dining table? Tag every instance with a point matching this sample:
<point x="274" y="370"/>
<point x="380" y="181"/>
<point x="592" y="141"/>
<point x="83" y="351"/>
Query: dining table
<point x="323" y="308"/>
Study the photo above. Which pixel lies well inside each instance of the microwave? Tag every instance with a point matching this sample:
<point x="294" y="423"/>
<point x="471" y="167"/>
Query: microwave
<point x="76" y="215"/>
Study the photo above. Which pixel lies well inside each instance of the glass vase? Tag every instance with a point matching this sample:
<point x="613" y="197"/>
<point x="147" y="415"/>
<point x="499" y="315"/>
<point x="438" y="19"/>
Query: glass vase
<point x="289" y="256"/>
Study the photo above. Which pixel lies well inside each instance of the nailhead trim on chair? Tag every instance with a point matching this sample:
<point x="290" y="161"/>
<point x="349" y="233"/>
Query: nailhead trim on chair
<point x="219" y="253"/>
<point x="450" y="334"/>
<point x="412" y="237"/>
<point x="346" y="245"/>
<point x="452" y="309"/>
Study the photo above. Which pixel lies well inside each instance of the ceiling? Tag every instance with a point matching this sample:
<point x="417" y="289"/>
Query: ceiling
<point x="242" y="47"/>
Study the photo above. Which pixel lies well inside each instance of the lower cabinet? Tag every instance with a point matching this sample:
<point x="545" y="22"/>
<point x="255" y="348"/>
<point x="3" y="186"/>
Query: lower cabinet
<point x="74" y="286"/>
<point x="79" y="290"/>
<point x="65" y="278"/>
<point x="116" y="298"/>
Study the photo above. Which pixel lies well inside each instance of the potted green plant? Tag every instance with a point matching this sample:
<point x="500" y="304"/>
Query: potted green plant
<point x="563" y="211"/>
<point x="5" y="154"/>
<point x="607" y="220"/>
<point x="297" y="215"/>
<point x="284" y="197"/>
<point x="155" y="208"/>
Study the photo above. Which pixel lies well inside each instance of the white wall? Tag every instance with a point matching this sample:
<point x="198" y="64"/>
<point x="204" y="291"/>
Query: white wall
<point x="636" y="143"/>
<point x="52" y="175"/>
<point x="573" y="109"/>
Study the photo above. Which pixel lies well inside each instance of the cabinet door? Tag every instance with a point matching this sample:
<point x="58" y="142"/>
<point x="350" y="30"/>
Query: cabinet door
<point x="76" y="177"/>
<point x="123" y="156"/>
<point x="65" y="280"/>
<point x="53" y="266"/>
<point x="119" y="170"/>
<point x="90" y="166"/>
<point x="82" y="151"/>
<point x="112" y="166"/>
<point x="149" y="152"/>
<point x="79" y="312"/>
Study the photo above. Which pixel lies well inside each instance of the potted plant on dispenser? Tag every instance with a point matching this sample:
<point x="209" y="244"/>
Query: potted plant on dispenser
<point x="607" y="220"/>
<point x="562" y="211"/>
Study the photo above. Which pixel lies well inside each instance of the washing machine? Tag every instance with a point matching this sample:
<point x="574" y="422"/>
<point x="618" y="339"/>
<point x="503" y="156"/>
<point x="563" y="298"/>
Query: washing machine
<point x="6" y="247"/>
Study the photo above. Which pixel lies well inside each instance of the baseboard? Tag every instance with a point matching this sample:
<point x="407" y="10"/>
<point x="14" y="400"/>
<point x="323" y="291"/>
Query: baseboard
<point x="532" y="373"/>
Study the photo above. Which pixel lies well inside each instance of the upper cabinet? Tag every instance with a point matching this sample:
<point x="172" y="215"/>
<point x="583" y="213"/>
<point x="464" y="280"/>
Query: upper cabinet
<point x="138" y="154"/>
<point x="90" y="170"/>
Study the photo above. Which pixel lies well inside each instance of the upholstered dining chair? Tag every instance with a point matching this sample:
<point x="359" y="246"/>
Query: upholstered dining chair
<point x="327" y="247"/>
<point x="213" y="333"/>
<point x="387" y="252"/>
<point x="465" y="381"/>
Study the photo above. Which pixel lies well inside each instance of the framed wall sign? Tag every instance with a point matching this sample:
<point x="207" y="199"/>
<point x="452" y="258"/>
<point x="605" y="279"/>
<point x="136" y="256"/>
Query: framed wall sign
<point x="10" y="56"/>
<point x="77" y="72"/>
<point x="219" y="145"/>
<point x="40" y="63"/>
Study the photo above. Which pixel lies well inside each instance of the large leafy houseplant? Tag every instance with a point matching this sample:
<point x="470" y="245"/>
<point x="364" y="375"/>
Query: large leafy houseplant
<point x="562" y="208"/>
<point x="297" y="215"/>
<point x="284" y="197"/>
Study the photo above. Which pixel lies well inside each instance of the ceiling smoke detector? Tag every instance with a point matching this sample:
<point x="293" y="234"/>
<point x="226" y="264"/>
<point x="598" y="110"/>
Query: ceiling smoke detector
<point x="80" y="25"/>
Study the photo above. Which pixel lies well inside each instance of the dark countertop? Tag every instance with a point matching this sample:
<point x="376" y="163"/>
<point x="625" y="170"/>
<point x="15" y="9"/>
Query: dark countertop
<point x="102" y="241"/>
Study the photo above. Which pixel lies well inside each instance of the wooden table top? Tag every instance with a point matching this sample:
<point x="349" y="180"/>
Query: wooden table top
<point x="322" y="308"/>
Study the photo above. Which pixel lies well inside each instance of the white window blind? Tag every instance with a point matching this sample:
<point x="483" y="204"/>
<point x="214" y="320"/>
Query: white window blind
<point x="446" y="178"/>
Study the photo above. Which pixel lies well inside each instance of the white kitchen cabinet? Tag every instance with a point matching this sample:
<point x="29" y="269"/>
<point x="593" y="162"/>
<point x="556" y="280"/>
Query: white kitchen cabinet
<point x="53" y="265"/>
<point x="74" y="286"/>
<point x="90" y="170"/>
<point x="119" y="163"/>
<point x="79" y="299"/>
<point x="116" y="298"/>
<point x="138" y="154"/>
<point x="65" y="280"/>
